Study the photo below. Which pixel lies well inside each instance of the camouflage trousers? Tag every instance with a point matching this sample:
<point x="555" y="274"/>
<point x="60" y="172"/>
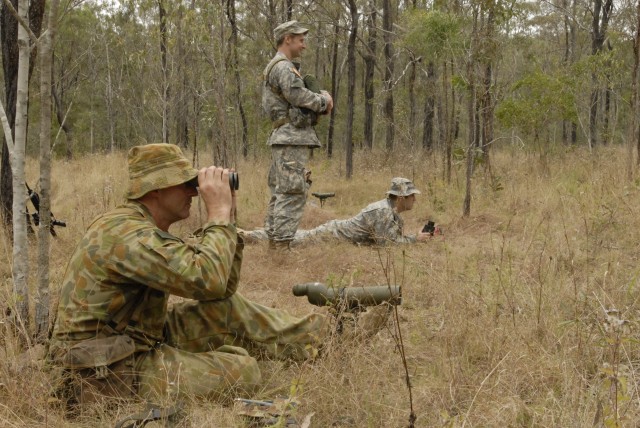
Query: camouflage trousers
<point x="331" y="230"/>
<point x="288" y="186"/>
<point x="210" y="346"/>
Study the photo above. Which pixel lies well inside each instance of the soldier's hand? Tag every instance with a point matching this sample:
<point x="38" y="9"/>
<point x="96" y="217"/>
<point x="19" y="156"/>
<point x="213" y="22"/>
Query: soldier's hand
<point x="216" y="193"/>
<point x="329" y="102"/>
<point x="422" y="236"/>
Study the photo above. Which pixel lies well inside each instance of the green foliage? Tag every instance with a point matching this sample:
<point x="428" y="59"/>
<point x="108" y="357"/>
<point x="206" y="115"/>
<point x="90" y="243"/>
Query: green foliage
<point x="431" y="34"/>
<point x="537" y="99"/>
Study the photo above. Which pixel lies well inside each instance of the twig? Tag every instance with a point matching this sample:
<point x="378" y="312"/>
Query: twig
<point x="466" y="416"/>
<point x="397" y="337"/>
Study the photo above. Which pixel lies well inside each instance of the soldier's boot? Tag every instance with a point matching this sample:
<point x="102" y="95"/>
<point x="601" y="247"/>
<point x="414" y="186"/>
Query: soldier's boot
<point x="282" y="247"/>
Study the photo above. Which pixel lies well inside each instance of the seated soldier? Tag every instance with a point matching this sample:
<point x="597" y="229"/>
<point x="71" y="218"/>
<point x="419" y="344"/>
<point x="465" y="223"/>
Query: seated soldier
<point x="115" y="332"/>
<point x="379" y="223"/>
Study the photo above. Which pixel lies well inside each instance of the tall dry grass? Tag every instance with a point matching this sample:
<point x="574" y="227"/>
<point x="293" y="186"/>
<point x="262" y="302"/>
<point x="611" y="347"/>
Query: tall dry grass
<point x="504" y="320"/>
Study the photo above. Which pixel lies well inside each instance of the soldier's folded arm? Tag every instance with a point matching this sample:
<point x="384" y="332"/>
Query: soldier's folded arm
<point x="201" y="271"/>
<point x="298" y="95"/>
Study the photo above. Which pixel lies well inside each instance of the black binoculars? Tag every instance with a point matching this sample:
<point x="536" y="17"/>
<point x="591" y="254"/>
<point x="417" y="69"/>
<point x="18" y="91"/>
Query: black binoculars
<point x="429" y="228"/>
<point x="234" y="181"/>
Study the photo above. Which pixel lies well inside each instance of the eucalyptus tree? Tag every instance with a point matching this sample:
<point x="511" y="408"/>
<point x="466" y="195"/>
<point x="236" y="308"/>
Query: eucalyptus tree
<point x="389" y="61"/>
<point x="9" y="41"/>
<point x="351" y="85"/>
<point x="435" y="36"/>
<point x="369" y="56"/>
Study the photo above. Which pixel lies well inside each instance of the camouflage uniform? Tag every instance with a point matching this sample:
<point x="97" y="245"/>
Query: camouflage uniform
<point x="283" y="95"/>
<point x="378" y="223"/>
<point x="199" y="346"/>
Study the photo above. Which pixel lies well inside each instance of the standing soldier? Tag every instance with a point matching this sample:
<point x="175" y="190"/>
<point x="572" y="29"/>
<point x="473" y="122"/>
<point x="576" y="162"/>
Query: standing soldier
<point x="292" y="109"/>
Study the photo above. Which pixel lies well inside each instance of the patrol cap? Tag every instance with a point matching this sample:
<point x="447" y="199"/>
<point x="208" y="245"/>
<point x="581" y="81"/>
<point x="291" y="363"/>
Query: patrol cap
<point x="402" y="187"/>
<point x="157" y="166"/>
<point x="289" y="27"/>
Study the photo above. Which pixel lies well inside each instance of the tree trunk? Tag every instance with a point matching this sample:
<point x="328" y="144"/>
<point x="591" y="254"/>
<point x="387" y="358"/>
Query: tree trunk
<point x="429" y="108"/>
<point x="369" y="70"/>
<point x="487" y="106"/>
<point x="351" y="86"/>
<point x="472" y="115"/>
<point x="599" y="26"/>
<point x="162" y="14"/>
<point x="231" y="15"/>
<point x="46" y="56"/>
<point x="9" y="40"/>
<point x="182" y="103"/>
<point x="20" y="245"/>
<point x="387" y="27"/>
<point x="334" y="90"/>
<point x="634" y="134"/>
<point x="109" y="101"/>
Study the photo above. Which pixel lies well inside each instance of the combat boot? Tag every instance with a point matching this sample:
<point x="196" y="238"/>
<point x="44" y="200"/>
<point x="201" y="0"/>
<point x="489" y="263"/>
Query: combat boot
<point x="280" y="246"/>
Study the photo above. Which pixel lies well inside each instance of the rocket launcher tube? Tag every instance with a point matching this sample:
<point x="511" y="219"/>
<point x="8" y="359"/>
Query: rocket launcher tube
<point x="352" y="297"/>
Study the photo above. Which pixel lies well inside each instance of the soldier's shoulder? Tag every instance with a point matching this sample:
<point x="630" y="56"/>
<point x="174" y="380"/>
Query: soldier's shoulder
<point x="376" y="206"/>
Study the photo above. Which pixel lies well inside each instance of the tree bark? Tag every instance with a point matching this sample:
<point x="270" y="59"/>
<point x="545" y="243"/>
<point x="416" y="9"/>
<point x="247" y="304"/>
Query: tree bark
<point x="472" y="115"/>
<point x="369" y="70"/>
<point x="46" y="56"/>
<point x="183" y="61"/>
<point x="387" y="27"/>
<point x="429" y="108"/>
<point x="231" y="15"/>
<point x="9" y="40"/>
<point x="162" y="14"/>
<point x="351" y="86"/>
<point x="635" y="107"/>
<point x="20" y="245"/>
<point x="334" y="90"/>
<point x="599" y="26"/>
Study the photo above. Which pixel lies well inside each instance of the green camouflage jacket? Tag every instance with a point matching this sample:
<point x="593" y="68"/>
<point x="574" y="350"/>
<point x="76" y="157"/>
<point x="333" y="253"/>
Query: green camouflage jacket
<point x="283" y="89"/>
<point x="123" y="254"/>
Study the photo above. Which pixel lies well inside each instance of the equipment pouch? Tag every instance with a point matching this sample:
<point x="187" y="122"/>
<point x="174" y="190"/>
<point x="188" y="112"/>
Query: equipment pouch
<point x="302" y="117"/>
<point x="101" y="367"/>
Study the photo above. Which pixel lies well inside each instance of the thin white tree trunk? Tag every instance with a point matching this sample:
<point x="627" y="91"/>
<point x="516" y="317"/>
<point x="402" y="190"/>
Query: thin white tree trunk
<point x="42" y="298"/>
<point x="20" y="248"/>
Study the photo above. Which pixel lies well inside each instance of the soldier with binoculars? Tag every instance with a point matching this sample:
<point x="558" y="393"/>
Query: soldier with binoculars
<point x="115" y="332"/>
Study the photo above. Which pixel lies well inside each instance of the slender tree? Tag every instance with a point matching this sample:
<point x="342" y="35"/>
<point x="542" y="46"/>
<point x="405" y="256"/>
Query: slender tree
<point x="599" y="27"/>
<point x="235" y="65"/>
<point x="387" y="27"/>
<point x="9" y="40"/>
<point x="351" y="85"/>
<point x="162" y="15"/>
<point x="369" y="70"/>
<point x="46" y="54"/>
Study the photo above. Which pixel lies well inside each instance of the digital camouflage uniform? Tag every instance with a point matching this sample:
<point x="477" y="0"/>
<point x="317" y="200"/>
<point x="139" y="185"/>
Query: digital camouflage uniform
<point x="378" y="223"/>
<point x="283" y="96"/>
<point x="199" y="346"/>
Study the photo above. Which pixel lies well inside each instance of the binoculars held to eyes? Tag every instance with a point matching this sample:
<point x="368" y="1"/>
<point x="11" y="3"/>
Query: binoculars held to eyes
<point x="234" y="181"/>
<point x="351" y="297"/>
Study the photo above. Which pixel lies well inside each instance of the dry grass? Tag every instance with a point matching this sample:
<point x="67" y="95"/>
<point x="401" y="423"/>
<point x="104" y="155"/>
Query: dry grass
<point x="503" y="320"/>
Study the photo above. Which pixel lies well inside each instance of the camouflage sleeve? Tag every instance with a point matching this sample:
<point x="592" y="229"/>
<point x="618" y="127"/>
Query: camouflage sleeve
<point x="387" y="228"/>
<point x="234" y="277"/>
<point x="164" y="262"/>
<point x="288" y="79"/>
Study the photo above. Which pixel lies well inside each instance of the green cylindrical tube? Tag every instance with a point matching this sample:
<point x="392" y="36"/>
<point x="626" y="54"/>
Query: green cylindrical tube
<point x="320" y="295"/>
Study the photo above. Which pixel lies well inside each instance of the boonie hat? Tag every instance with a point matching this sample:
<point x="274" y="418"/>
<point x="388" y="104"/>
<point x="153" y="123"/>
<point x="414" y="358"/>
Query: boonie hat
<point x="289" y="27"/>
<point x="402" y="187"/>
<point x="157" y="166"/>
